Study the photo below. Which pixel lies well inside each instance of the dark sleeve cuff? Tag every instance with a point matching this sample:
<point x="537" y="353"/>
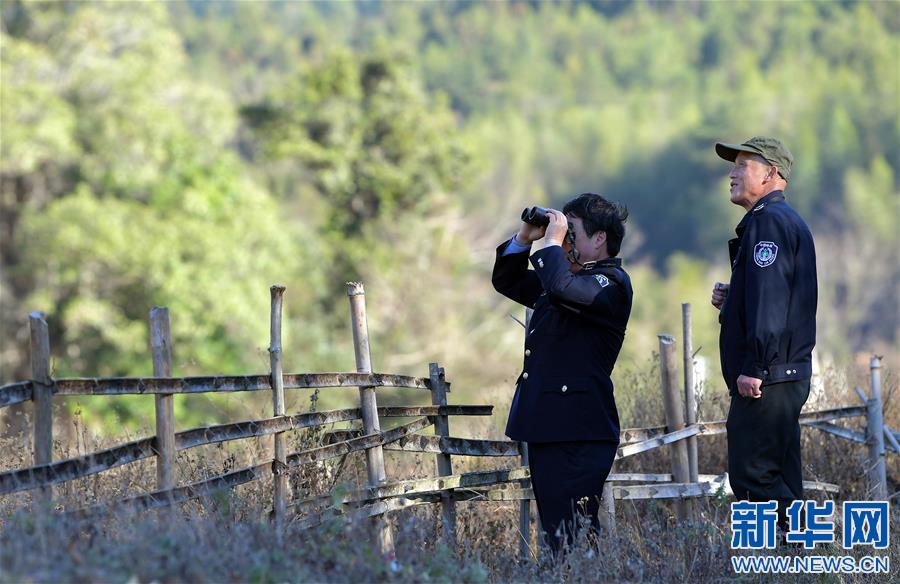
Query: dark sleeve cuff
<point x="513" y="246"/>
<point x="752" y="368"/>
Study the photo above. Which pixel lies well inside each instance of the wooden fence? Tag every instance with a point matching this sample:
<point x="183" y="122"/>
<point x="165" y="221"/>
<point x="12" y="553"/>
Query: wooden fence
<point x="382" y="496"/>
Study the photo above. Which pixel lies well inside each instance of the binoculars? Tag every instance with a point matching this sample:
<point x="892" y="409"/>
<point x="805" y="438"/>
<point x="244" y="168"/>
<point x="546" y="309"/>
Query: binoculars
<point x="536" y="216"/>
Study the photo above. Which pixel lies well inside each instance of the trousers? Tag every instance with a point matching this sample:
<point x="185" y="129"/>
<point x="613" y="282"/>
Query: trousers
<point x="764" y="445"/>
<point x="567" y="479"/>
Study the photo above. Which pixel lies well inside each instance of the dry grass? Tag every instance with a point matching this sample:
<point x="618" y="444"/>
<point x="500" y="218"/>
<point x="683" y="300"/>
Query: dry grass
<point x="229" y="537"/>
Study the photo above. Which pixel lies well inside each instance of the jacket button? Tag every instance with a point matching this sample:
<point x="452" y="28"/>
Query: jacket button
<point x="788" y="372"/>
<point x="564" y="388"/>
<point x="525" y="375"/>
<point x="527" y="352"/>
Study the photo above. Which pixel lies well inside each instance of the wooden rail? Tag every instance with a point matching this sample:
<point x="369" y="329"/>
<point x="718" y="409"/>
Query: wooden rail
<point x="456" y="446"/>
<point x="14" y="393"/>
<point x="179" y="494"/>
<point x="22" y="391"/>
<point x="356" y="444"/>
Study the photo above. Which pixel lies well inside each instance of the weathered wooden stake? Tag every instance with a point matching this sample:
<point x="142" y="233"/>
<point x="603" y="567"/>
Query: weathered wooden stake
<point x="668" y="369"/>
<point x="524" y="510"/>
<point x="279" y="463"/>
<point x="690" y="396"/>
<point x="42" y="396"/>
<point x="525" y="505"/>
<point x="608" y="509"/>
<point x="371" y="425"/>
<point x="161" y="350"/>
<point x="875" y="435"/>
<point x="444" y="465"/>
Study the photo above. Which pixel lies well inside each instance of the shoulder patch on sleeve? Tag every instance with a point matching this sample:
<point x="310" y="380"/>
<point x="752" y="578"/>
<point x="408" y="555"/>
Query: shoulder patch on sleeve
<point x="764" y="253"/>
<point x="603" y="280"/>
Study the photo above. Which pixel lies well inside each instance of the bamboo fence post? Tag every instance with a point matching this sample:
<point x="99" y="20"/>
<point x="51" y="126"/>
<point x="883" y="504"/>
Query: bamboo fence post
<point x="161" y="350"/>
<point x="444" y="465"/>
<point x="875" y="434"/>
<point x="690" y="397"/>
<point x="368" y="404"/>
<point x="668" y="369"/>
<point x="42" y="396"/>
<point x="279" y="462"/>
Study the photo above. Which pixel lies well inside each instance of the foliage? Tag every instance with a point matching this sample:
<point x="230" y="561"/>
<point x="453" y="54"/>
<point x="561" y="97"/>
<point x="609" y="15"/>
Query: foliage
<point x="370" y="143"/>
<point x="157" y="209"/>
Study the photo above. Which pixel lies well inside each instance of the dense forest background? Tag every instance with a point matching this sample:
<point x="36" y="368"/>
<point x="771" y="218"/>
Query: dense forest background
<point x="191" y="154"/>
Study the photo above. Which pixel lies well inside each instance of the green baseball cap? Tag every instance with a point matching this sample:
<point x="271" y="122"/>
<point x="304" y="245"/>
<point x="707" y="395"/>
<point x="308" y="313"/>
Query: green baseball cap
<point x="771" y="149"/>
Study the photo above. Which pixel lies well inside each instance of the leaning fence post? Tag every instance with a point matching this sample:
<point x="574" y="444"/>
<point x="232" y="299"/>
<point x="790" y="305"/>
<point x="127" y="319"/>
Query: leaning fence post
<point x="690" y="397"/>
<point x="668" y="369"/>
<point x="875" y="434"/>
<point x="368" y="404"/>
<point x="42" y="396"/>
<point x="444" y="466"/>
<point x="161" y="350"/>
<point x="279" y="462"/>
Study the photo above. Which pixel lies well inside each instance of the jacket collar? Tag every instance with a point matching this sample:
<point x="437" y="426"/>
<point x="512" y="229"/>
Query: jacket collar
<point x="770" y="199"/>
<point x="606" y="263"/>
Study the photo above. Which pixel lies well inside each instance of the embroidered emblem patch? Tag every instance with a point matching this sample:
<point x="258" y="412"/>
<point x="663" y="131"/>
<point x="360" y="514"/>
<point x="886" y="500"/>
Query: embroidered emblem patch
<point x="759" y="207"/>
<point x="604" y="281"/>
<point x="764" y="253"/>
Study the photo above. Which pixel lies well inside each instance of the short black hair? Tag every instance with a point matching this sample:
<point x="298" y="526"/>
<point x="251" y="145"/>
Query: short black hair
<point x="599" y="214"/>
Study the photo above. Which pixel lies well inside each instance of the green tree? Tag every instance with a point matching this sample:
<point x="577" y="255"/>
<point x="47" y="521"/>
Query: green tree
<point x="371" y="142"/>
<point x="156" y="210"/>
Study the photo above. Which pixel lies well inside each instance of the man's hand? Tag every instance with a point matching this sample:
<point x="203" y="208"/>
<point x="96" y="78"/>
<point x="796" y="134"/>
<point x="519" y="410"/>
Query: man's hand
<point x="529" y="233"/>
<point x="557" y="229"/>
<point x="749" y="386"/>
<point x="720" y="291"/>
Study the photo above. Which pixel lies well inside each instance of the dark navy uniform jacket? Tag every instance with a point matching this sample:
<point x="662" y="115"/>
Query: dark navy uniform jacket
<point x="769" y="315"/>
<point x="564" y="391"/>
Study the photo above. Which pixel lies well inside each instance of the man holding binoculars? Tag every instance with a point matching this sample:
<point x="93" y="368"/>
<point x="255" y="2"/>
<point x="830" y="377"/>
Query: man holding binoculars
<point x="564" y="406"/>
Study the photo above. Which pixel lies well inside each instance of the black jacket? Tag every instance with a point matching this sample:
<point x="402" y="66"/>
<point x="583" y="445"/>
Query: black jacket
<point x="769" y="316"/>
<point x="575" y="334"/>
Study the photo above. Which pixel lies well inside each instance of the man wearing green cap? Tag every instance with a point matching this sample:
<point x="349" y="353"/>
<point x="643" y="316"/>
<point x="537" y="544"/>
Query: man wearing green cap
<point x="767" y="314"/>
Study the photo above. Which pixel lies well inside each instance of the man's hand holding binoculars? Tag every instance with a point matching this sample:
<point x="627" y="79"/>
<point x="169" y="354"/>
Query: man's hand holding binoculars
<point x="538" y="222"/>
<point x="528" y="233"/>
